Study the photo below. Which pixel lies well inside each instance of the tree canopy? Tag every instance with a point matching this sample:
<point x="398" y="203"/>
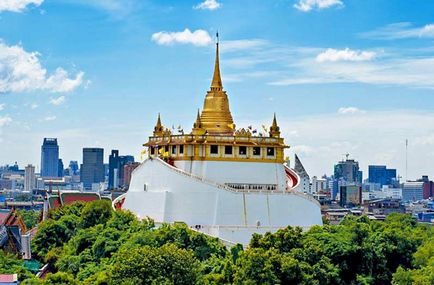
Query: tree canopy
<point x="93" y="244"/>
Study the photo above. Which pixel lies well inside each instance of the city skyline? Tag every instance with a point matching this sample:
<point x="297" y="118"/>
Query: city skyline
<point x="361" y="90"/>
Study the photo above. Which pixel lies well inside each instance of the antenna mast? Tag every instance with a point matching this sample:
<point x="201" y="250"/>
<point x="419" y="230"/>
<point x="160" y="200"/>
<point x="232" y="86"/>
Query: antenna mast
<point x="406" y="159"/>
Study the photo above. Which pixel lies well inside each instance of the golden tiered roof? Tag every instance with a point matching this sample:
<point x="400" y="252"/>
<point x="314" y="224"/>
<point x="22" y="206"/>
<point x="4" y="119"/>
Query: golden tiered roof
<point x="216" y="117"/>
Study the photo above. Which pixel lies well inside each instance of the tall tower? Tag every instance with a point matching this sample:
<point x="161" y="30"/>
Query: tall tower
<point x="50" y="158"/>
<point x="29" y="178"/>
<point x="216" y="117"/>
<point x="92" y="169"/>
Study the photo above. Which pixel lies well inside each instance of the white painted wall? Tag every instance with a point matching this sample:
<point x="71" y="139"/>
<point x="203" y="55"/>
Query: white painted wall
<point x="237" y="172"/>
<point x="172" y="196"/>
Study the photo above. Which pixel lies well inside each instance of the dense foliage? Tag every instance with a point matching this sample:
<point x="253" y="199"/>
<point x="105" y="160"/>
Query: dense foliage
<point x="30" y="217"/>
<point x="92" y="244"/>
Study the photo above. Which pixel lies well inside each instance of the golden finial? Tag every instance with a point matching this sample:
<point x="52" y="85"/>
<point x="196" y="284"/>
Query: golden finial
<point x="216" y="84"/>
<point x="198" y="123"/>
<point x="197" y="126"/>
<point x="158" y="129"/>
<point x="274" y="129"/>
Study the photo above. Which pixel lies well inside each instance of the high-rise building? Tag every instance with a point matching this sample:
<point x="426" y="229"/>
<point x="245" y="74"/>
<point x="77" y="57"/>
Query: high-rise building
<point x="116" y="168"/>
<point x="50" y="158"/>
<point x="348" y="171"/>
<point x="381" y="174"/>
<point x="412" y="191"/>
<point x="29" y="178"/>
<point x="73" y="166"/>
<point x="128" y="170"/>
<point x="92" y="169"/>
<point x="428" y="187"/>
<point x="60" y="168"/>
<point x="318" y="185"/>
<point x="350" y="195"/>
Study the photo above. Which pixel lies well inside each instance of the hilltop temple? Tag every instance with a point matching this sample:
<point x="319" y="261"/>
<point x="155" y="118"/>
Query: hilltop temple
<point x="219" y="180"/>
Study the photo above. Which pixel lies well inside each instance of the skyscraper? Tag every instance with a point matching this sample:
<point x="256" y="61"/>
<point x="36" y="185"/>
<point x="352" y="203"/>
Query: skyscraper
<point x="50" y="158"/>
<point x="92" y="169"/>
<point x="381" y="174"/>
<point x="60" y="168"/>
<point x="116" y="168"/>
<point x="348" y="171"/>
<point x="73" y="166"/>
<point x="29" y="178"/>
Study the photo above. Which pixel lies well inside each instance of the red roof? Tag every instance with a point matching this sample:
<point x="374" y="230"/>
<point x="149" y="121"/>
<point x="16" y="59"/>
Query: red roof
<point x="3" y="217"/>
<point x="8" y="278"/>
<point x="69" y="198"/>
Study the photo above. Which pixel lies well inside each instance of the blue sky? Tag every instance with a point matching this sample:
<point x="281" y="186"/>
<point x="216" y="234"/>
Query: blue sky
<point x="343" y="76"/>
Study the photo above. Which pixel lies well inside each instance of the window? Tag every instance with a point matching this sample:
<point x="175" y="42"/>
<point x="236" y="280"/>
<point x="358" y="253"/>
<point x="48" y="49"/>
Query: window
<point x="270" y="151"/>
<point x="228" y="149"/>
<point x="256" y="150"/>
<point x="214" y="149"/>
<point x="152" y="150"/>
<point x="181" y="149"/>
<point x="174" y="149"/>
<point x="242" y="150"/>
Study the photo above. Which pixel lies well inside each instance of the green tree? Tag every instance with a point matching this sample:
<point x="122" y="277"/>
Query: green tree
<point x="167" y="264"/>
<point x="98" y="212"/>
<point x="30" y="217"/>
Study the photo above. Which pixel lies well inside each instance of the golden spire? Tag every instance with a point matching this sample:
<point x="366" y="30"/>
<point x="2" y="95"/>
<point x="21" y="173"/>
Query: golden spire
<point x="197" y="126"/>
<point x="216" y="117"/>
<point x="216" y="84"/>
<point x="198" y="123"/>
<point x="158" y="129"/>
<point x="274" y="129"/>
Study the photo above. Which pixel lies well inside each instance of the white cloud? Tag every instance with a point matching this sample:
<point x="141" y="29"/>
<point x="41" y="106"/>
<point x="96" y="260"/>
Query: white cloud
<point x="22" y="71"/>
<point x="2" y="107"/>
<point x="308" y="5"/>
<point x="197" y="38"/>
<point x="6" y="120"/>
<point x="17" y="5"/>
<point x="57" y="101"/>
<point x="208" y="5"/>
<point x="50" y="118"/>
<point x="416" y="71"/>
<point x="345" y="55"/>
<point x="349" y="110"/>
<point x="34" y="106"/>
<point x="403" y="30"/>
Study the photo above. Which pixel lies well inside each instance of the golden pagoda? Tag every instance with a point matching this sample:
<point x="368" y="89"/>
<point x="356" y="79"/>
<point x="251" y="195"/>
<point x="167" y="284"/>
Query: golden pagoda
<point x="214" y="136"/>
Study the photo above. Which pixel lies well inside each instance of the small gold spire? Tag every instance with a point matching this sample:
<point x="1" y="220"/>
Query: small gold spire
<point x="198" y="123"/>
<point x="158" y="129"/>
<point x="274" y="129"/>
<point x="197" y="126"/>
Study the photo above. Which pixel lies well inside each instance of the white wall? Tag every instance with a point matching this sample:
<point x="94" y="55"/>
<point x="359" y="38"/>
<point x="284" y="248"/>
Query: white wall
<point x="172" y="196"/>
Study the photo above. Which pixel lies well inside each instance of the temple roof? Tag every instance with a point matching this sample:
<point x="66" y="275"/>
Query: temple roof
<point x="299" y="168"/>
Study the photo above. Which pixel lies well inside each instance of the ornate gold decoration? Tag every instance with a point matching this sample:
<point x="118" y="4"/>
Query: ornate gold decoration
<point x="215" y="126"/>
<point x="243" y="133"/>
